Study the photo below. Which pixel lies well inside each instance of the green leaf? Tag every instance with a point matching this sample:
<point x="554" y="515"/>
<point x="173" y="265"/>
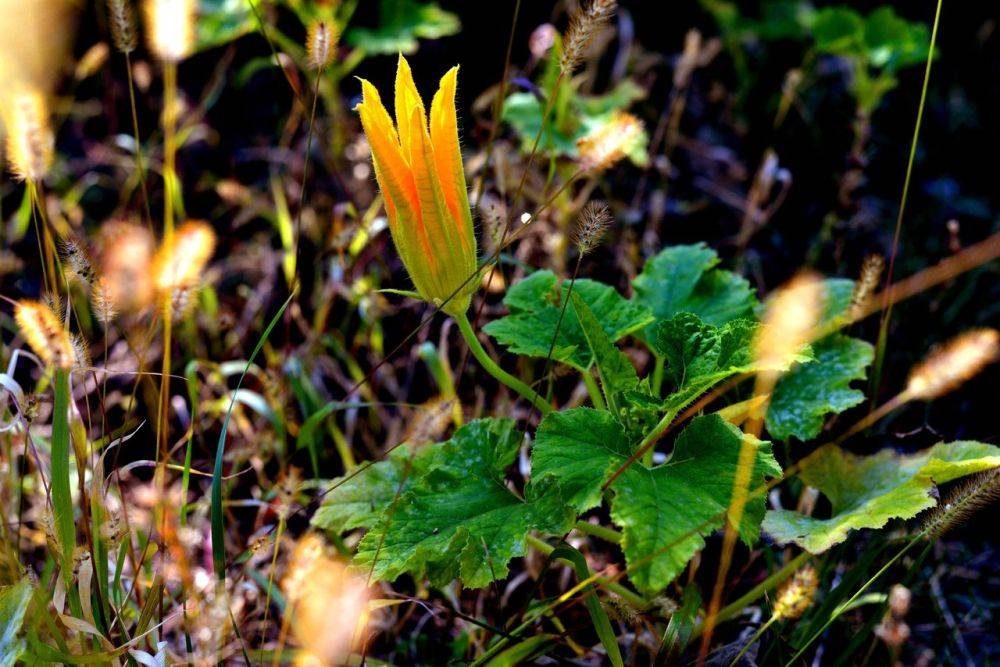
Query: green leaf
<point x="459" y="520"/>
<point x="402" y="23"/>
<point x="812" y="390"/>
<point x="684" y="279"/>
<point x="14" y="601"/>
<point x="868" y="491"/>
<point x="579" y="449"/>
<point x="617" y="373"/>
<point x="838" y="30"/>
<point x="665" y="511"/>
<point x="359" y="499"/>
<point x="700" y="354"/>
<point x="893" y="42"/>
<point x="586" y="114"/>
<point x="535" y="304"/>
<point x="804" y="397"/>
<point x="222" y="21"/>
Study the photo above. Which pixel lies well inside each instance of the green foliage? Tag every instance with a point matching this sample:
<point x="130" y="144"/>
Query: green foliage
<point x="664" y="510"/>
<point x="876" y="46"/>
<point x="684" y="279"/>
<point x="868" y="491"/>
<point x="585" y="115"/>
<point x="458" y="519"/>
<point x="804" y="397"/>
<point x="535" y="304"/>
<point x="222" y="21"/>
<point x="401" y="24"/>
<point x="14" y="601"/>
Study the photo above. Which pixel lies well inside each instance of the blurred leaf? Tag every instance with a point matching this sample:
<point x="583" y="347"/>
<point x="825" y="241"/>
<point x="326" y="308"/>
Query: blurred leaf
<point x="684" y="279"/>
<point x="868" y="491"/>
<point x="459" y="520"/>
<point x="838" y="30"/>
<point x="586" y="114"/>
<point x="14" y="601"/>
<point x="401" y="24"/>
<point x="222" y="21"/>
<point x="524" y="651"/>
<point x="535" y="303"/>
<point x="894" y="42"/>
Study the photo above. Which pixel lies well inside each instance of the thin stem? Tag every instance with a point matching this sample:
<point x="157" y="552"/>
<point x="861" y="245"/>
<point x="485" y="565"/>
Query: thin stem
<point x="140" y="167"/>
<point x="737" y="606"/>
<point x="897" y="233"/>
<point x="750" y="642"/>
<point x="493" y="369"/>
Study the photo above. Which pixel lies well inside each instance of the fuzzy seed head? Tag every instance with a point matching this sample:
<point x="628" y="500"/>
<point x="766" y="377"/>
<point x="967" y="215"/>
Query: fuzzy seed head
<point x="170" y="28"/>
<point x="30" y="142"/>
<point x="178" y="265"/>
<point x="122" y="21"/>
<point x="948" y="367"/>
<point x="610" y="143"/>
<point x="45" y="334"/>
<point x="321" y="44"/>
<point x="871" y="273"/>
<point x="797" y="594"/>
<point x="972" y="495"/>
<point x="76" y="262"/>
<point x="330" y="602"/>
<point x="790" y="321"/>
<point x="583" y="25"/>
<point x="591" y="225"/>
<point x="125" y="281"/>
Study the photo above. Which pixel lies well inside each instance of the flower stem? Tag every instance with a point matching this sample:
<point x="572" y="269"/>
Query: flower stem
<point x="493" y="369"/>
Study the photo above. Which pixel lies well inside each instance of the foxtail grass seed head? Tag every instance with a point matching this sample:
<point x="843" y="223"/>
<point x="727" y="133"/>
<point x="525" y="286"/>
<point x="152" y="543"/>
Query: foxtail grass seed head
<point x="30" y="142"/>
<point x="76" y="262"/>
<point x="122" y="20"/>
<point x="178" y="265"/>
<point x="418" y="166"/>
<point x="321" y="44"/>
<point x="789" y="322"/>
<point x="797" y="594"/>
<point x="124" y="278"/>
<point x="45" y="334"/>
<point x="330" y="603"/>
<point x="871" y="273"/>
<point x="972" y="495"/>
<point x="592" y="223"/>
<point x="170" y="28"/>
<point x="949" y="366"/>
<point x="583" y="25"/>
<point x="610" y="143"/>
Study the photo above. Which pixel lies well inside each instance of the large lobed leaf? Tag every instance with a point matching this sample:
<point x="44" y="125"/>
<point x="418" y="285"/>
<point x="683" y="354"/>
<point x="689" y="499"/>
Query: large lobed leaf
<point x="868" y="491"/>
<point x="684" y="279"/>
<point x="535" y="304"/>
<point x="664" y="511"/>
<point x="459" y="520"/>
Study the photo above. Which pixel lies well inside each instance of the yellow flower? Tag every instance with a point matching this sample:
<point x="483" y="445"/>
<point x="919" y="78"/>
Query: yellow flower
<point x="419" y="171"/>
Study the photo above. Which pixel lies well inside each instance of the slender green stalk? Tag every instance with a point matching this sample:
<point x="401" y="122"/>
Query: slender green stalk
<point x="494" y="369"/>
<point x="737" y="606"/>
<point x="883" y="330"/>
<point x="750" y="642"/>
